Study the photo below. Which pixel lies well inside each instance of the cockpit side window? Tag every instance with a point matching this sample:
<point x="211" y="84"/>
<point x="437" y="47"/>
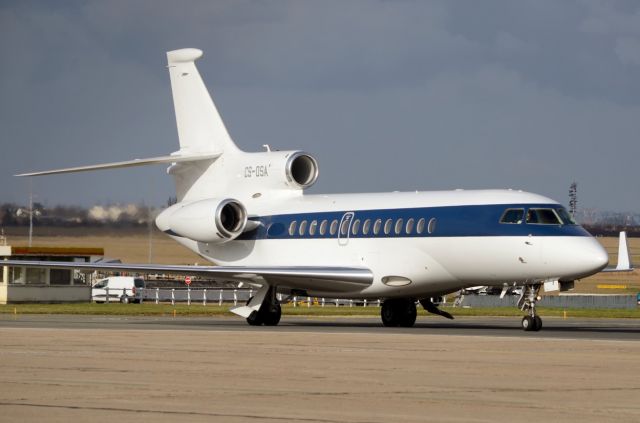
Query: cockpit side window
<point x="513" y="216"/>
<point x="567" y="219"/>
<point x="543" y="217"/>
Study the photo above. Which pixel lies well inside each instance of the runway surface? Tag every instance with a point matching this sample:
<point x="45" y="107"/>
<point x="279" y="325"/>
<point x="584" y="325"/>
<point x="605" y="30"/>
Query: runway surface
<point x="164" y="369"/>
<point x="613" y="329"/>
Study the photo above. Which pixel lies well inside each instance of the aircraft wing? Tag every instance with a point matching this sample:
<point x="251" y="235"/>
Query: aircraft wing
<point x="317" y="278"/>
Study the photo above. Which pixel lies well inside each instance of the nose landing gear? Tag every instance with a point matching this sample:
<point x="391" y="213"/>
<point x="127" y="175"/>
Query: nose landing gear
<point x="527" y="303"/>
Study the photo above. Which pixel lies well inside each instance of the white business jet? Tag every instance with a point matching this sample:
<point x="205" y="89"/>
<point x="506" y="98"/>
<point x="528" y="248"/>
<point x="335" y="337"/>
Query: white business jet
<point x="247" y="213"/>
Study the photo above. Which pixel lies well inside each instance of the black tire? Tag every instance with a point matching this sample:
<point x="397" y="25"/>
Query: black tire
<point x="389" y="314"/>
<point x="537" y="323"/>
<point x="124" y="299"/>
<point x="528" y="323"/>
<point x="254" y="319"/>
<point x="408" y="314"/>
<point x="272" y="317"/>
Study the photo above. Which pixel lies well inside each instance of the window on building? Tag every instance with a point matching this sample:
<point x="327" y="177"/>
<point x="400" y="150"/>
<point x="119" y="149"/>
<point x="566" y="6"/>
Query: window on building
<point x="59" y="277"/>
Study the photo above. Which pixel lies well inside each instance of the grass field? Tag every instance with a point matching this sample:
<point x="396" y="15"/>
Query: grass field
<point x="136" y="246"/>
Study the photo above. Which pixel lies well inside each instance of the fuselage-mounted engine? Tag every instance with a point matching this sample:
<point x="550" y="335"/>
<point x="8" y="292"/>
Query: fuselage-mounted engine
<point x="212" y="220"/>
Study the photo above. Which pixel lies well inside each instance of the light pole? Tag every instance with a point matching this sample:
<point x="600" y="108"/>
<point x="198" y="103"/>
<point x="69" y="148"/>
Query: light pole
<point x="30" y="212"/>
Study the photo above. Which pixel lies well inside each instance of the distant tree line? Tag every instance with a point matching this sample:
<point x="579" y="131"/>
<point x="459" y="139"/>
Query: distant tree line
<point x="132" y="215"/>
<point x="76" y="216"/>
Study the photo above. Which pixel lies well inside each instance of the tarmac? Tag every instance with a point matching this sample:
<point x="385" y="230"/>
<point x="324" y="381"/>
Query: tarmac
<point x="105" y="369"/>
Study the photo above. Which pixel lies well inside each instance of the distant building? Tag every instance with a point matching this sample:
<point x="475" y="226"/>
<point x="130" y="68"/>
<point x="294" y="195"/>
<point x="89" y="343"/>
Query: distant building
<point x="33" y="285"/>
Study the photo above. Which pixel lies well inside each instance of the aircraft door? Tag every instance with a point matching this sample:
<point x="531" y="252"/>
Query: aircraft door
<point x="344" y="229"/>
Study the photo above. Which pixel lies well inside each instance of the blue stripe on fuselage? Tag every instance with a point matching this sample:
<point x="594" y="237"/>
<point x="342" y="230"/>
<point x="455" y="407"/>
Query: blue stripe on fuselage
<point x="450" y="221"/>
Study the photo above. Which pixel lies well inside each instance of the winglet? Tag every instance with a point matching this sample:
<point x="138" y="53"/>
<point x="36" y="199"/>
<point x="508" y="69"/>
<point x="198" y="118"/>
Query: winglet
<point x="624" y="261"/>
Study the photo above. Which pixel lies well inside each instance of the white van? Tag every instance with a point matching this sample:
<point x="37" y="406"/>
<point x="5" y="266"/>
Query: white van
<point x="119" y="288"/>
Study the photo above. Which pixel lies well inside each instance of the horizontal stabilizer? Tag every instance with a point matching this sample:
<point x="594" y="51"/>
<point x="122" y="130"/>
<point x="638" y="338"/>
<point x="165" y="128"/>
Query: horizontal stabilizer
<point x="128" y="163"/>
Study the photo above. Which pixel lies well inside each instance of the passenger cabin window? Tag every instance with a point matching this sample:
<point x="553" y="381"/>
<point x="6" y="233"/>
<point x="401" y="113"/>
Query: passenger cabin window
<point x="366" y="226"/>
<point x="356" y="227"/>
<point x="292" y="228"/>
<point x="409" y="227"/>
<point x="323" y="227"/>
<point x="420" y="227"/>
<point x="431" y="227"/>
<point x="344" y="228"/>
<point x="399" y="224"/>
<point x="387" y="226"/>
<point x="334" y="227"/>
<point x="376" y="226"/>
<point x="303" y="228"/>
<point x="543" y="217"/>
<point x="312" y="227"/>
<point x="513" y="216"/>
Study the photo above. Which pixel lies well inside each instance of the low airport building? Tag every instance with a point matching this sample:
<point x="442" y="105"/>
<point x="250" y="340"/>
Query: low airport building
<point x="32" y="285"/>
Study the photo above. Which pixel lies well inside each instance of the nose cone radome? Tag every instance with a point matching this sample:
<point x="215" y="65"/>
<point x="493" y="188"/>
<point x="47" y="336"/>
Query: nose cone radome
<point x="575" y="257"/>
<point x="599" y="257"/>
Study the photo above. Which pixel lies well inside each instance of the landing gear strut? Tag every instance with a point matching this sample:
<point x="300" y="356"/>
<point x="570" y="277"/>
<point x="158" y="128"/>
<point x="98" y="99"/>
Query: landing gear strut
<point x="399" y="312"/>
<point x="527" y="303"/>
<point x="269" y="312"/>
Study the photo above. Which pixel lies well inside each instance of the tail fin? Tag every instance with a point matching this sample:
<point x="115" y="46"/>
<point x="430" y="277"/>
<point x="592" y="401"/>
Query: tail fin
<point x="200" y="128"/>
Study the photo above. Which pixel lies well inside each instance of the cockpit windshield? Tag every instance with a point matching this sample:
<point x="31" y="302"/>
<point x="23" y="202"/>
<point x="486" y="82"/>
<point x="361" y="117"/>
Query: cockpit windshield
<point x="567" y="219"/>
<point x="543" y="217"/>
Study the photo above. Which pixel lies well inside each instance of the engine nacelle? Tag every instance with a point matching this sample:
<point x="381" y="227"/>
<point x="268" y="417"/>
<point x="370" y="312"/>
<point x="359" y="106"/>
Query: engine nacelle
<point x="301" y="170"/>
<point x="212" y="220"/>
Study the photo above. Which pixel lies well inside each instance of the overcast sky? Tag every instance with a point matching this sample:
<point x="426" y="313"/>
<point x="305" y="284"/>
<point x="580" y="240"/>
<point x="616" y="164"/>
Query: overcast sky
<point x="387" y="95"/>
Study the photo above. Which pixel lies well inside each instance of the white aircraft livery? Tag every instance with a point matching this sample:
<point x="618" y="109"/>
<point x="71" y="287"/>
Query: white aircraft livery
<point x="248" y="215"/>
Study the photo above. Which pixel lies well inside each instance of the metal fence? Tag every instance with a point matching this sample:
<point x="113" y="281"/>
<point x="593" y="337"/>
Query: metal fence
<point x="561" y="301"/>
<point x="237" y="296"/>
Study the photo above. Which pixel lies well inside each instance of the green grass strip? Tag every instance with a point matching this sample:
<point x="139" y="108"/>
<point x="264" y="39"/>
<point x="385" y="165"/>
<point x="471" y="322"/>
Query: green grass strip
<point x="212" y="309"/>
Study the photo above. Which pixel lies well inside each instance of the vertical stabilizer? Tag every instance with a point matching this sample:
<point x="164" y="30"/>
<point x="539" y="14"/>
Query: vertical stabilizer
<point x="624" y="262"/>
<point x="200" y="128"/>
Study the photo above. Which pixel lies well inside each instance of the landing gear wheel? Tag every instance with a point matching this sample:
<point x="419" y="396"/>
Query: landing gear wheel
<point x="528" y="323"/>
<point x="254" y="319"/>
<point x="272" y="317"/>
<point x="388" y="314"/>
<point x="537" y="323"/>
<point x="124" y="299"/>
<point x="398" y="312"/>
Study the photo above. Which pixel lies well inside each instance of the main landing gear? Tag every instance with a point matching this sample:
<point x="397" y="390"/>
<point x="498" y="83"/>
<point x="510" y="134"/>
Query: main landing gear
<point x="402" y="311"/>
<point x="398" y="312"/>
<point x="269" y="311"/>
<point x="527" y="303"/>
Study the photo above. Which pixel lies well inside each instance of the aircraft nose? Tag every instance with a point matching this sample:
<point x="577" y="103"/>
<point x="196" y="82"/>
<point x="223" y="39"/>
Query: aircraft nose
<point x="596" y="257"/>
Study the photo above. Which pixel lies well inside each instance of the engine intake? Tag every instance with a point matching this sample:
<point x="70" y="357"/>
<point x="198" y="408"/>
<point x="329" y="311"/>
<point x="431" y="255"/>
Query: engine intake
<point x="301" y="169"/>
<point x="211" y="220"/>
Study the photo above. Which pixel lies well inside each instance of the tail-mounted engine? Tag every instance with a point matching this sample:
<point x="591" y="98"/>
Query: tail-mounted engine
<point x="212" y="220"/>
<point x="301" y="170"/>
